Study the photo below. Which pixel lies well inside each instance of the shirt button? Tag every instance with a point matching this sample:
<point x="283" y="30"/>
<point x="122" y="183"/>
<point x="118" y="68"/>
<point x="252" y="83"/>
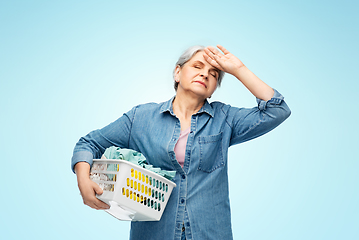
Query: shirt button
<point x="182" y="200"/>
<point x="184" y="176"/>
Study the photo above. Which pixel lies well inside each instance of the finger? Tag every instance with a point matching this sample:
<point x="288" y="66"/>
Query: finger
<point x="208" y="54"/>
<point x="214" y="51"/>
<point x="213" y="62"/>
<point x="96" y="204"/>
<point x="214" y="55"/>
<point x="225" y="51"/>
<point x="97" y="189"/>
<point x="93" y="205"/>
<point x="99" y="205"/>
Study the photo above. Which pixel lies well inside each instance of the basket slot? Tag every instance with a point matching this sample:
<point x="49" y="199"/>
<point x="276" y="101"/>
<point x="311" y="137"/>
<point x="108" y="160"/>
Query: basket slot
<point x="143" y="200"/>
<point x="107" y="186"/>
<point x="157" y="191"/>
<point x="103" y="177"/>
<point x="113" y="167"/>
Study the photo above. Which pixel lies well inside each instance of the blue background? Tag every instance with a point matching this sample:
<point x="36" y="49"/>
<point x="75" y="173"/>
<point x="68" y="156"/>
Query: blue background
<point x="68" y="67"/>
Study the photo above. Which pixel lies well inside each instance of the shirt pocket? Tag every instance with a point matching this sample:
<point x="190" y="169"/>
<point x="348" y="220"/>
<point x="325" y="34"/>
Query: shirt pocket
<point x="211" y="154"/>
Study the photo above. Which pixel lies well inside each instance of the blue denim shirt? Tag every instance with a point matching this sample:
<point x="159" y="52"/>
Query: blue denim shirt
<point x="200" y="202"/>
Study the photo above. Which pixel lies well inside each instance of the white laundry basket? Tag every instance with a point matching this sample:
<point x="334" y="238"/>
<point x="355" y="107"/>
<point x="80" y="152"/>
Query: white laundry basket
<point x="134" y="193"/>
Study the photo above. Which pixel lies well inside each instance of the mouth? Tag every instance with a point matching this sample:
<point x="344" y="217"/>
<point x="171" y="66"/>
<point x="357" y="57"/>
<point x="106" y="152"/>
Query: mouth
<point x="202" y="83"/>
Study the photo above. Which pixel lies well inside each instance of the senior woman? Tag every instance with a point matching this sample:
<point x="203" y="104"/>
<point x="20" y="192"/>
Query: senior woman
<point x="191" y="136"/>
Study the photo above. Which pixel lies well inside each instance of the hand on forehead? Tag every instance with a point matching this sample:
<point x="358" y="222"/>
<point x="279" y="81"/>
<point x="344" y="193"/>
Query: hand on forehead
<point x="211" y="54"/>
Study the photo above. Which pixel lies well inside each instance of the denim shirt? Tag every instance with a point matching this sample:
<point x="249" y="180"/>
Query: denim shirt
<point x="200" y="202"/>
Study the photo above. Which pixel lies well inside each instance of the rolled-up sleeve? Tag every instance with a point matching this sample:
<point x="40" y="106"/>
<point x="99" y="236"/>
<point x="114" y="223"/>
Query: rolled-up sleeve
<point x="249" y="123"/>
<point x="94" y="144"/>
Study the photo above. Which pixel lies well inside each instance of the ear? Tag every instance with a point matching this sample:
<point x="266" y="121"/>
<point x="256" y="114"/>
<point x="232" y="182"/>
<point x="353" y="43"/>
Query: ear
<point x="177" y="73"/>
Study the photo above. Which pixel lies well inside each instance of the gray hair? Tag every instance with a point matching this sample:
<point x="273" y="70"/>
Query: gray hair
<point x="186" y="56"/>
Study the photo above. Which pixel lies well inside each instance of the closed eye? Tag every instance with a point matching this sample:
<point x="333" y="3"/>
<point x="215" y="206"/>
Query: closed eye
<point x="198" y="64"/>
<point x="213" y="73"/>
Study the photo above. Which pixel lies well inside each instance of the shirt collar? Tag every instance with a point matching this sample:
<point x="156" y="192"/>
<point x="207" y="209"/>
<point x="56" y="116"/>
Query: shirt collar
<point x="206" y="108"/>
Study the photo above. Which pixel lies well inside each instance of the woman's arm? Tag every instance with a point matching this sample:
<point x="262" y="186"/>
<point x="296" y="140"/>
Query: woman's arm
<point x="249" y="123"/>
<point x="88" y="188"/>
<point x="93" y="145"/>
<point x="229" y="63"/>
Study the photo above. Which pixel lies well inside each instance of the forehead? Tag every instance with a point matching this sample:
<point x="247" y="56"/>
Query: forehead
<point x="198" y="57"/>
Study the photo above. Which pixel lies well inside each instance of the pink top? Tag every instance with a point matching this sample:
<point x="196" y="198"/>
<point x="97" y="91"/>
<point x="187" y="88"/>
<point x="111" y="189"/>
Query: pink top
<point x="180" y="147"/>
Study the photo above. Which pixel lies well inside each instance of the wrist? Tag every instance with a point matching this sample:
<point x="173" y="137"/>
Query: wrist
<point x="82" y="170"/>
<point x="240" y="72"/>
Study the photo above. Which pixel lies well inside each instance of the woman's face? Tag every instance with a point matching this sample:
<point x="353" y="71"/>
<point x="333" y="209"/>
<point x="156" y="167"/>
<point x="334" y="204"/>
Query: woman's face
<point x="197" y="76"/>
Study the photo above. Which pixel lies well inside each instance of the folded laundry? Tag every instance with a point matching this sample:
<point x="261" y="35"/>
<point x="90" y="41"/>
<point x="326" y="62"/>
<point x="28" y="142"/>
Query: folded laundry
<point x="136" y="158"/>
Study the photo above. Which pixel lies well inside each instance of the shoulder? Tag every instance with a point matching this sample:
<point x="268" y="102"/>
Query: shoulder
<point x="151" y="106"/>
<point x="149" y="109"/>
<point x="228" y="113"/>
<point x="147" y="106"/>
<point x="220" y="107"/>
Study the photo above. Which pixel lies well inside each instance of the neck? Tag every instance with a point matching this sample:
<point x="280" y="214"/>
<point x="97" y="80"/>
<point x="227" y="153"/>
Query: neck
<point x="185" y="105"/>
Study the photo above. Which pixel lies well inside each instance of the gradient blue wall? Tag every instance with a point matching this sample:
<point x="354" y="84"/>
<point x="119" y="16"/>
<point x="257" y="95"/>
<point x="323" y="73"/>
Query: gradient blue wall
<point x="68" y="67"/>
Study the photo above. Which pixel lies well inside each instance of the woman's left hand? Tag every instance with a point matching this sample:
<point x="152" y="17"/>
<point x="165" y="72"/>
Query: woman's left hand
<point x="225" y="61"/>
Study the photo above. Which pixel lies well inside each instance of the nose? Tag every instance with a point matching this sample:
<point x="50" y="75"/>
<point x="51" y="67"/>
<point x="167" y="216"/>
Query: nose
<point x="204" y="74"/>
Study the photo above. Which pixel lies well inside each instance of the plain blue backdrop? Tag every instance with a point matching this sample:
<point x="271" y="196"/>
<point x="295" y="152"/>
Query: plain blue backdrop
<point x="68" y="67"/>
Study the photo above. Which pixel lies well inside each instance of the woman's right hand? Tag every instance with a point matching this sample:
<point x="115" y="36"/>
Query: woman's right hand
<point x="88" y="188"/>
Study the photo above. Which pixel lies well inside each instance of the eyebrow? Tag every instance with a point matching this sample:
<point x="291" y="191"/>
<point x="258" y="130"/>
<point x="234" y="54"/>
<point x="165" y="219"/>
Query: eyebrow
<point x="198" y="62"/>
<point x="201" y="63"/>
